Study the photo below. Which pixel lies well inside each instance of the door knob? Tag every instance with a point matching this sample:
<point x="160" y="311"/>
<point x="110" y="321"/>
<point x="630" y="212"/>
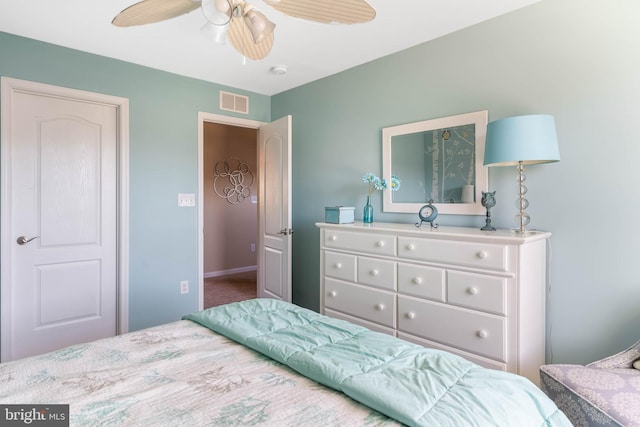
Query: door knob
<point x="23" y="240"/>
<point x="286" y="231"/>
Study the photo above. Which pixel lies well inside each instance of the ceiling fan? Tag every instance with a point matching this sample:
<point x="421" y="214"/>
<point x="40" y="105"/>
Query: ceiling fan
<point x="250" y="31"/>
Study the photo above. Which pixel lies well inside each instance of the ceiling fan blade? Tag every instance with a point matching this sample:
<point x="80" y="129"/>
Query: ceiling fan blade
<point x="326" y="11"/>
<point x="150" y="11"/>
<point x="242" y="40"/>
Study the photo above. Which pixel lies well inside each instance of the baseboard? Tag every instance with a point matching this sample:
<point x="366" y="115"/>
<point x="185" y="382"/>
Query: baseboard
<point x="230" y="271"/>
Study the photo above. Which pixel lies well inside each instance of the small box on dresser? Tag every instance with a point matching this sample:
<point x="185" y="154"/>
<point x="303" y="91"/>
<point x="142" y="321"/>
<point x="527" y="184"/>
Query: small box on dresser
<point x="474" y="293"/>
<point x="339" y="214"/>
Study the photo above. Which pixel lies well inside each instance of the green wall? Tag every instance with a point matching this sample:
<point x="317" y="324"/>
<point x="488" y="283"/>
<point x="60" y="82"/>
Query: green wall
<point x="163" y="156"/>
<point x="575" y="59"/>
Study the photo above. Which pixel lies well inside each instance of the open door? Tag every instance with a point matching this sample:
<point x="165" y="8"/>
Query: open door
<point x="274" y="210"/>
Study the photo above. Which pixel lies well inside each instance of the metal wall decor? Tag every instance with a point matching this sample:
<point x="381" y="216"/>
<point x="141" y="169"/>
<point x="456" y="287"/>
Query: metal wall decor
<point x="232" y="180"/>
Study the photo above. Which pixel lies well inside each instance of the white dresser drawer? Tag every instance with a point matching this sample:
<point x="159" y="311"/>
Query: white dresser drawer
<point x="370" y="304"/>
<point x="369" y="325"/>
<point x="482" y="361"/>
<point x="373" y="243"/>
<point x="340" y="266"/>
<point x="476" y="291"/>
<point x="483" y="334"/>
<point x="377" y="272"/>
<point x="482" y="255"/>
<point x="419" y="281"/>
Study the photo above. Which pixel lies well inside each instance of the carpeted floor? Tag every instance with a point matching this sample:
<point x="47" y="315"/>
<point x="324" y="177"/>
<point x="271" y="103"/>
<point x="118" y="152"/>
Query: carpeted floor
<point x="225" y="289"/>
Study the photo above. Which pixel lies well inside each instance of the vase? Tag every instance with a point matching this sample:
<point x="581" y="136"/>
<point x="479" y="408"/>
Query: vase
<point x="368" y="212"/>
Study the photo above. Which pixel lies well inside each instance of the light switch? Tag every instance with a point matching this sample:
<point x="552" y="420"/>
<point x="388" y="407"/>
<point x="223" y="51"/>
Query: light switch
<point x="254" y="199"/>
<point x="186" y="199"/>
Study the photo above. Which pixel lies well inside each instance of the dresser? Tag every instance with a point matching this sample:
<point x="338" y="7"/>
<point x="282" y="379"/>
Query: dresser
<point x="478" y="294"/>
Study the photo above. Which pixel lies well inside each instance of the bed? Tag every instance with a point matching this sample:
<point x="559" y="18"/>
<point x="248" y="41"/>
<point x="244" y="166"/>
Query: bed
<point x="267" y="362"/>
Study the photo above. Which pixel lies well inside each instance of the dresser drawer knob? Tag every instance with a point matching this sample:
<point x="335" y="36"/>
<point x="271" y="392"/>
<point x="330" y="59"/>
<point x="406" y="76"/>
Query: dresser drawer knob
<point x="338" y="265"/>
<point x="333" y="294"/>
<point x="482" y="255"/>
<point x="333" y="238"/>
<point x="472" y="291"/>
<point x="482" y="334"/>
<point x="380" y="243"/>
<point x="379" y="307"/>
<point x="417" y="280"/>
<point x="411" y="315"/>
<point x="374" y="272"/>
<point x="411" y="247"/>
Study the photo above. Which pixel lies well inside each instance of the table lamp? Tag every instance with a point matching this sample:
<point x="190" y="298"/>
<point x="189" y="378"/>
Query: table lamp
<point x="518" y="141"/>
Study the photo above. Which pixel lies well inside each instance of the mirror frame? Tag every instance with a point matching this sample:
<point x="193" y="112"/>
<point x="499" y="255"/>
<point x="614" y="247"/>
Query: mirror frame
<point x="480" y="120"/>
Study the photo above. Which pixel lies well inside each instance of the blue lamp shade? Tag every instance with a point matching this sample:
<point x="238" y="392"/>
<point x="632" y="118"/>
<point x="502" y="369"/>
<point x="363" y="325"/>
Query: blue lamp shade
<point x="527" y="139"/>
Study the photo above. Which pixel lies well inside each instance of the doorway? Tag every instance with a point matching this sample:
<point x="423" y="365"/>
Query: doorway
<point x="274" y="204"/>
<point x="230" y="204"/>
<point x="204" y="121"/>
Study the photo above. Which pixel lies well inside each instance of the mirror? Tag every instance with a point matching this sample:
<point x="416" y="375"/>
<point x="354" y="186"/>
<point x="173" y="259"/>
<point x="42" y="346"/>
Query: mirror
<point x="439" y="159"/>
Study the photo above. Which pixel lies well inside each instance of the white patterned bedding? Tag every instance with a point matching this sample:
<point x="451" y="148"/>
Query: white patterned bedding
<point x="179" y="374"/>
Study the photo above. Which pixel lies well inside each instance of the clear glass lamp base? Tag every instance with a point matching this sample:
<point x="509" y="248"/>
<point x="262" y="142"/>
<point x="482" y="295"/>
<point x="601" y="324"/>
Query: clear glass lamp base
<point x="522" y="219"/>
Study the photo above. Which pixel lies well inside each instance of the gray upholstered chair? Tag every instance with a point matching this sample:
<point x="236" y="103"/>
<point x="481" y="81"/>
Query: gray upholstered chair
<point x="602" y="393"/>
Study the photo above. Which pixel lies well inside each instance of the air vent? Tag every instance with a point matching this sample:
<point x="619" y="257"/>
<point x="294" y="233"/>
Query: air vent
<point x="234" y="102"/>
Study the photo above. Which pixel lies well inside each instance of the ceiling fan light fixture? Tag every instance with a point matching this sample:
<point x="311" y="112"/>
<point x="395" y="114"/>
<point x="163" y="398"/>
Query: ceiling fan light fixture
<point x="258" y="24"/>
<point x="217" y="33"/>
<point x="217" y="12"/>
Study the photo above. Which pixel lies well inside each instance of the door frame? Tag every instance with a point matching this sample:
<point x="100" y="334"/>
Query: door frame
<point x="223" y="120"/>
<point x="7" y="87"/>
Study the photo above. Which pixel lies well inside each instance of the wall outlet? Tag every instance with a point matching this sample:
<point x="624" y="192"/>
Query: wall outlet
<point x="184" y="287"/>
<point x="253" y="247"/>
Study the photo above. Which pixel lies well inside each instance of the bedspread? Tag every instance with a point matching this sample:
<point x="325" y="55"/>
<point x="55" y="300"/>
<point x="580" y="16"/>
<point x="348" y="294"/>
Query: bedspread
<point x="179" y="374"/>
<point x="415" y="385"/>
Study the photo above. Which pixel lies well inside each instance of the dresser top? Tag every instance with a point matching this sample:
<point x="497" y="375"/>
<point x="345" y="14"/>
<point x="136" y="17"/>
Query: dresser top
<point x="452" y="233"/>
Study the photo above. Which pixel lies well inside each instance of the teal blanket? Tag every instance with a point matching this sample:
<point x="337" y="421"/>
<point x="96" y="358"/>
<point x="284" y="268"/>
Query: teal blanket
<point x="415" y="385"/>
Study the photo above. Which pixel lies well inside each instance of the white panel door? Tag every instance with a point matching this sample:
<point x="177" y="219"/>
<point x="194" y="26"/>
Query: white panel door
<point x="274" y="259"/>
<point x="62" y="216"/>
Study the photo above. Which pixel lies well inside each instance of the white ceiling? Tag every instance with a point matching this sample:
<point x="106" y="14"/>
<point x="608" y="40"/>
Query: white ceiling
<point x="309" y="50"/>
